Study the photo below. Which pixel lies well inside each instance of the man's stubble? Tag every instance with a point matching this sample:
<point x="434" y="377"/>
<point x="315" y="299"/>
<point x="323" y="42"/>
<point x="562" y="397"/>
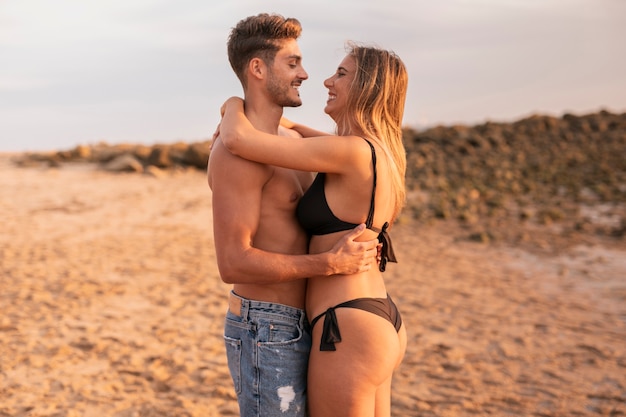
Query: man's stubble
<point x="281" y="92"/>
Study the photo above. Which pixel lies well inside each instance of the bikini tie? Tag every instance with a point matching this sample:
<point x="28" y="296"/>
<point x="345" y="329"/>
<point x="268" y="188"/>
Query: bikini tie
<point x="386" y="254"/>
<point x="330" y="332"/>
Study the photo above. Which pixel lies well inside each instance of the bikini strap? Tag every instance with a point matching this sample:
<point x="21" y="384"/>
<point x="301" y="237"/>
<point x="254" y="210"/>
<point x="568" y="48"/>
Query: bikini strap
<point x="370" y="216"/>
<point x="387" y="253"/>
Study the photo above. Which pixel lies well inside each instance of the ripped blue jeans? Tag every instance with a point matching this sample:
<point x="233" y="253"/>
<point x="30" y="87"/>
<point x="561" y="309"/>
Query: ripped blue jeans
<point x="267" y="346"/>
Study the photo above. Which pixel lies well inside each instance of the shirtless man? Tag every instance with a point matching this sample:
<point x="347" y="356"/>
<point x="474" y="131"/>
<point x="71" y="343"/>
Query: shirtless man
<point x="261" y="249"/>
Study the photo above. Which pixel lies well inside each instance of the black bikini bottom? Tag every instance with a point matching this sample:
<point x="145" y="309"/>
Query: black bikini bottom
<point x="383" y="307"/>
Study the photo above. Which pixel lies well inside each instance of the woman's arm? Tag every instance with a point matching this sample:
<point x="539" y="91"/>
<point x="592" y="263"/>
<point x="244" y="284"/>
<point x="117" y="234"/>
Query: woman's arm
<point x="304" y="131"/>
<point x="331" y="154"/>
<point x="235" y="228"/>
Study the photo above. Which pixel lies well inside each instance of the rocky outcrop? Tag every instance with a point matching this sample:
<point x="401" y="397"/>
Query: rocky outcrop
<point x="126" y="157"/>
<point x="540" y="170"/>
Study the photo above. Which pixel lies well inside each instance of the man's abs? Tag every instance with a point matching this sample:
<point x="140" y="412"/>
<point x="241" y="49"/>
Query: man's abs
<point x="282" y="236"/>
<point x="279" y="231"/>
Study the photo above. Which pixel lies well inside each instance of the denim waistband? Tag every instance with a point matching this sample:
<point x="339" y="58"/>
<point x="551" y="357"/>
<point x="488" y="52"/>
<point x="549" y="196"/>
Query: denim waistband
<point x="242" y="306"/>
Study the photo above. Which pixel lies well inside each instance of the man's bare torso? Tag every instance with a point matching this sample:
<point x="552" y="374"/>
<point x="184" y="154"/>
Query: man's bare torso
<point x="277" y="229"/>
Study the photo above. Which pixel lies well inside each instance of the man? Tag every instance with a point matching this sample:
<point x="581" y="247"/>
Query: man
<point x="260" y="247"/>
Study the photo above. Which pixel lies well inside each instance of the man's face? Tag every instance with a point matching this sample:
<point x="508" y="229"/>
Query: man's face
<point x="285" y="76"/>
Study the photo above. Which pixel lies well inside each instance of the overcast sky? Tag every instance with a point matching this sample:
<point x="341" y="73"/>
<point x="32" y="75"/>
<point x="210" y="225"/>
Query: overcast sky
<point x="155" y="71"/>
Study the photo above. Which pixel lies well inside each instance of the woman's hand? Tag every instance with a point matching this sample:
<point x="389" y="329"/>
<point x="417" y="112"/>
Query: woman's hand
<point x="286" y="123"/>
<point x="231" y="101"/>
<point x="234" y="124"/>
<point x="228" y="102"/>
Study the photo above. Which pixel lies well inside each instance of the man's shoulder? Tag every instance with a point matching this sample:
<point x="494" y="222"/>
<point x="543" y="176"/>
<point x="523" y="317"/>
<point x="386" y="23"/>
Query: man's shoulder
<point x="222" y="162"/>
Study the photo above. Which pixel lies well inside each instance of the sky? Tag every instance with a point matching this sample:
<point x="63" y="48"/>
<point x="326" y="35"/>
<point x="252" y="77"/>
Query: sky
<point x="156" y="71"/>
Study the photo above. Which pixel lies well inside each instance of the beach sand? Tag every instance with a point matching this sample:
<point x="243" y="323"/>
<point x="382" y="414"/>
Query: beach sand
<point x="112" y="305"/>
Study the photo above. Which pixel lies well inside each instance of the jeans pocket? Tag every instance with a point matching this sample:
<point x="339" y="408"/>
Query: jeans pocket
<point x="284" y="333"/>
<point x="233" y="354"/>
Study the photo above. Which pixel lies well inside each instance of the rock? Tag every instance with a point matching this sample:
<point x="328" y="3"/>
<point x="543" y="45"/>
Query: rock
<point x="155" y="171"/>
<point x="81" y="152"/>
<point x="160" y="157"/>
<point x="124" y="163"/>
<point x="197" y="155"/>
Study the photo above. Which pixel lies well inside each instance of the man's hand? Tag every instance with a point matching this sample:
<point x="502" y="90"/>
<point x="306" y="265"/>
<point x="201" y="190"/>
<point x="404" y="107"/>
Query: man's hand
<point x="351" y="257"/>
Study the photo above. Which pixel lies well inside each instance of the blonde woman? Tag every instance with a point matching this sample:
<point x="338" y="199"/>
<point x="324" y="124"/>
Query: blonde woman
<point x="358" y="335"/>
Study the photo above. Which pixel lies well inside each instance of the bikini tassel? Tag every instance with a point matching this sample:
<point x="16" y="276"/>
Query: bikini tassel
<point x="330" y="333"/>
<point x="387" y="253"/>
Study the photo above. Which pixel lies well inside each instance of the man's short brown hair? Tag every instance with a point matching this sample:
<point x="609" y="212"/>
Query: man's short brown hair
<point x="259" y="36"/>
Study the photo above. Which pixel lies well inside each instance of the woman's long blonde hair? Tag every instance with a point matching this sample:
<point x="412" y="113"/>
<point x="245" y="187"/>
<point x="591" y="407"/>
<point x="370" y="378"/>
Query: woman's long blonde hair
<point x="376" y="106"/>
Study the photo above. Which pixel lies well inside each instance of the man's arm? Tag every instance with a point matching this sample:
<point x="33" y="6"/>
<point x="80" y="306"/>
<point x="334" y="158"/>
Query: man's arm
<point x="235" y="221"/>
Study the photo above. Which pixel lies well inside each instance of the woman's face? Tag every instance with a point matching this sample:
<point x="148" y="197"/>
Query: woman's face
<point x="338" y="86"/>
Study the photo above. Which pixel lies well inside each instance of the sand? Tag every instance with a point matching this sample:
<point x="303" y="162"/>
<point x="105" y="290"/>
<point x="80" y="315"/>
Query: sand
<point x="111" y="305"/>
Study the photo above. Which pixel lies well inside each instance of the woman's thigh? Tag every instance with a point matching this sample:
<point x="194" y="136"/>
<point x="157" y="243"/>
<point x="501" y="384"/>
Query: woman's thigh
<point x="345" y="382"/>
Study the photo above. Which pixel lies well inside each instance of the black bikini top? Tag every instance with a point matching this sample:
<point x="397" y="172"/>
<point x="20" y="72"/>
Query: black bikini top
<point x="316" y="217"/>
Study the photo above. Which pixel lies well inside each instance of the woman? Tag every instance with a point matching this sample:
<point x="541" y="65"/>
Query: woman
<point x="358" y="336"/>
